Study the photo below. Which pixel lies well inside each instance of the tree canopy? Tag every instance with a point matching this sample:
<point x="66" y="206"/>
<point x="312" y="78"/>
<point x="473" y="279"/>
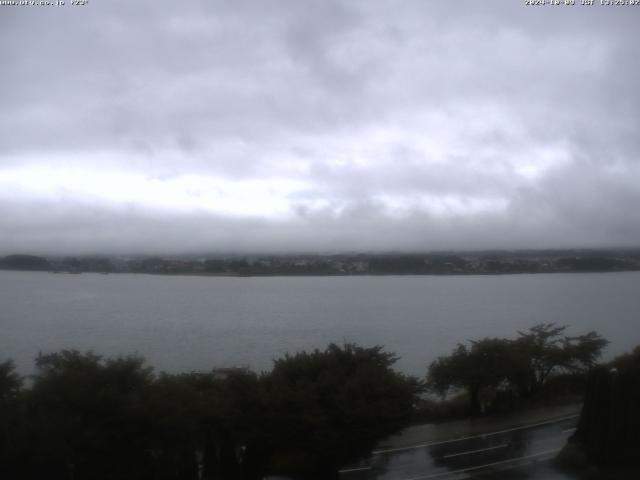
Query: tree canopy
<point x="609" y="428"/>
<point x="10" y="381"/>
<point x="89" y="417"/>
<point x="522" y="365"/>
<point x="336" y="402"/>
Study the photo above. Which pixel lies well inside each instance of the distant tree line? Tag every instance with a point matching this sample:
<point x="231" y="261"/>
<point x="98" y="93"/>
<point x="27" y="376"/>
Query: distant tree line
<point x="87" y="417"/>
<point x="357" y="264"/>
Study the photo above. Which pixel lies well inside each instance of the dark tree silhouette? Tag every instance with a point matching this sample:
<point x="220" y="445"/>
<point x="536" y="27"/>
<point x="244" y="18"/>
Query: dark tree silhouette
<point x="485" y="363"/>
<point x="10" y="381"/>
<point x="609" y="427"/>
<point x="88" y="417"/>
<point x="543" y="351"/>
<point x="327" y="406"/>
<point x="523" y="365"/>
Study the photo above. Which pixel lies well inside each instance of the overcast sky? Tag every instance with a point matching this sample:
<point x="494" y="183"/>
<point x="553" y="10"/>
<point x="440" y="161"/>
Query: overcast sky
<point x="318" y="125"/>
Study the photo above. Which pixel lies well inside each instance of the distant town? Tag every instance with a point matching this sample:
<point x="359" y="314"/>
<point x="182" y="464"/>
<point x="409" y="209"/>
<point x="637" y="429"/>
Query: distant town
<point x="442" y="263"/>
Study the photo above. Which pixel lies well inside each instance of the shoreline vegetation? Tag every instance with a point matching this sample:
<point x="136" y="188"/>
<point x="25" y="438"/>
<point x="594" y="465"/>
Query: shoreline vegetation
<point x="82" y="416"/>
<point x="446" y="263"/>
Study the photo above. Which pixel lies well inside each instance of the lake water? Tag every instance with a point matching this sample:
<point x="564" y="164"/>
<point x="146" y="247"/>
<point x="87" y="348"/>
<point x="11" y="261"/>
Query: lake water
<point x="195" y="323"/>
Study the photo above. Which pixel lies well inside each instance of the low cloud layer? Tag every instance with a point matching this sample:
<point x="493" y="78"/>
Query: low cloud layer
<point x="318" y="126"/>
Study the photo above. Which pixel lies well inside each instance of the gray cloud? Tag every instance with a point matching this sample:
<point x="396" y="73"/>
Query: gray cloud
<point x="327" y="126"/>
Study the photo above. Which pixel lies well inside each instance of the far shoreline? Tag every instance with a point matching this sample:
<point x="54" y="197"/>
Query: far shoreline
<point x="325" y="275"/>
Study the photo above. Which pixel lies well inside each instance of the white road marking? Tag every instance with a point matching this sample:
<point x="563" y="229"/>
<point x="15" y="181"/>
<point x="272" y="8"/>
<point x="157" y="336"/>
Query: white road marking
<point x="479" y="467"/>
<point x="432" y="444"/>
<point x="469" y="452"/>
<point x="569" y="430"/>
<point x="357" y="469"/>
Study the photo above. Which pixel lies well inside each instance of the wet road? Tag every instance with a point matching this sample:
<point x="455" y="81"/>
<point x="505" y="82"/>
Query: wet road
<point x="511" y="451"/>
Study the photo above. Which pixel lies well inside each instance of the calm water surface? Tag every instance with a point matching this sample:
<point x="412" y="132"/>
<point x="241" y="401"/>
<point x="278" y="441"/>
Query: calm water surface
<point x="195" y="323"/>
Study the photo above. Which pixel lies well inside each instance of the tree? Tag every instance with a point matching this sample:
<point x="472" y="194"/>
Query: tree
<point x="87" y="416"/>
<point x="524" y="364"/>
<point x="10" y="381"/>
<point x="609" y="428"/>
<point x="328" y="406"/>
<point x="12" y="431"/>
<point x="485" y="363"/>
<point x="544" y="351"/>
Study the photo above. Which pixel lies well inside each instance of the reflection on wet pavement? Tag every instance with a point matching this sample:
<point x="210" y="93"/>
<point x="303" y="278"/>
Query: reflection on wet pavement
<point x="518" y="452"/>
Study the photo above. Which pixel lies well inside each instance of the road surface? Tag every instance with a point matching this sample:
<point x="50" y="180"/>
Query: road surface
<point x="509" y="451"/>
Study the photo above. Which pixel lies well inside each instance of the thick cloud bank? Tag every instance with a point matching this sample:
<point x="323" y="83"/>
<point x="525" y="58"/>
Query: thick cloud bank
<point x="318" y="126"/>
